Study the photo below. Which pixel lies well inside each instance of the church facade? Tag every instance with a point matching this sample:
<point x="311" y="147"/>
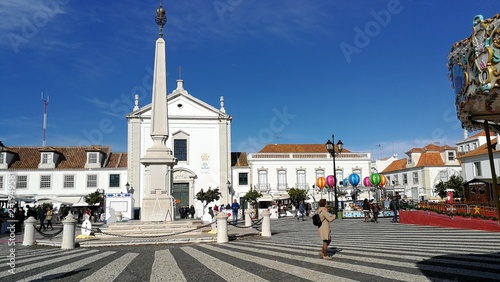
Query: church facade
<point x="200" y="139"/>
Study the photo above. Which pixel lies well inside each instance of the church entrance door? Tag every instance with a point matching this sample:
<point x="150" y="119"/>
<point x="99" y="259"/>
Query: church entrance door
<point x="180" y="191"/>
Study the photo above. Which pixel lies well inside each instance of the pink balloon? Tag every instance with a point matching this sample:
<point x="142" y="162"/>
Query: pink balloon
<point x="330" y="180"/>
<point x="367" y="182"/>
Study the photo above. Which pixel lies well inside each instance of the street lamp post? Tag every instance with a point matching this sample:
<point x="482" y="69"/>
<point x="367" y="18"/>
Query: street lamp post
<point x="330" y="147"/>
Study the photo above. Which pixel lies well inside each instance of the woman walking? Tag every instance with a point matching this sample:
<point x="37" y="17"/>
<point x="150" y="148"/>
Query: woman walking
<point x="324" y="229"/>
<point x="48" y="217"/>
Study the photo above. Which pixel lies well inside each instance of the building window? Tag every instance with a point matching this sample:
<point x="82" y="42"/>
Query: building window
<point x="396" y="180"/>
<point x="262" y="181"/>
<point x="477" y="169"/>
<point x="301" y="179"/>
<point x="461" y="148"/>
<point x="92" y="158"/>
<point x="2" y="158"/>
<point x="180" y="149"/>
<point x="468" y="148"/>
<point x="320" y="173"/>
<point x="358" y="172"/>
<point x="409" y="160"/>
<point x="92" y="181"/>
<point x="69" y="181"/>
<point x="243" y="178"/>
<point x="22" y="182"/>
<point x="405" y="179"/>
<point x="339" y="176"/>
<point x="1" y="181"/>
<point x="114" y="180"/>
<point x="451" y="156"/>
<point x="415" y="177"/>
<point x="282" y="185"/>
<point x="46" y="158"/>
<point x="45" y="181"/>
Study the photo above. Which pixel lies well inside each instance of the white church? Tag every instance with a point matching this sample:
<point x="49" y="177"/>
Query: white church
<point x="177" y="145"/>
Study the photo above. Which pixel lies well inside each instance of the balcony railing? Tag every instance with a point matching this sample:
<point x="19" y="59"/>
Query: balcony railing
<point x="281" y="187"/>
<point x="301" y="186"/>
<point x="263" y="187"/>
<point x="309" y="156"/>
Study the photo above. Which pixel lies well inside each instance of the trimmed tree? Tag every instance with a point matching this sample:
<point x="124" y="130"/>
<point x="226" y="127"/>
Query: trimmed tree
<point x="297" y="195"/>
<point x="93" y="198"/>
<point x="455" y="182"/>
<point x="251" y="197"/>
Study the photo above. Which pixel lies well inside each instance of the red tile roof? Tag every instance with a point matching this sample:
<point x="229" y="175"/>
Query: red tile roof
<point x="431" y="147"/>
<point x="430" y="159"/>
<point x="297" y="148"/>
<point x="70" y="157"/>
<point x="396" y="165"/>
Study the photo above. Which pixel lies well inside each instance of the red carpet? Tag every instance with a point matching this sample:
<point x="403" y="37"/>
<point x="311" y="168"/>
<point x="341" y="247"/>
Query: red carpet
<point x="435" y="219"/>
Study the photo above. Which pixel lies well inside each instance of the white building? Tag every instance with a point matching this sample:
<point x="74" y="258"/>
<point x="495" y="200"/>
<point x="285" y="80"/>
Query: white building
<point x="278" y="167"/>
<point x="61" y="175"/>
<point x="200" y="137"/>
<point x="416" y="176"/>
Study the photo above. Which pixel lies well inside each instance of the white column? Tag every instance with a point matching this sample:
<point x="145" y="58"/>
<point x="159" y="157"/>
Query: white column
<point x="266" y="224"/>
<point x="248" y="219"/>
<point x="29" y="231"/>
<point x="222" y="228"/>
<point x="68" y="240"/>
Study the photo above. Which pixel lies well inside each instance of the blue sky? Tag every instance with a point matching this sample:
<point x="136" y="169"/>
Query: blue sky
<point x="372" y="72"/>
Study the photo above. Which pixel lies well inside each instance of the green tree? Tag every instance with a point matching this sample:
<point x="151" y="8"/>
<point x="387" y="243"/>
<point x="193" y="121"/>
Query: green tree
<point x="297" y="195"/>
<point x="455" y="182"/>
<point x="208" y="196"/>
<point x="251" y="196"/>
<point x="93" y="198"/>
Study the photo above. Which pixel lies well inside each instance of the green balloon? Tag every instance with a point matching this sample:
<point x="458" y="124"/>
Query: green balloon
<point x="375" y="179"/>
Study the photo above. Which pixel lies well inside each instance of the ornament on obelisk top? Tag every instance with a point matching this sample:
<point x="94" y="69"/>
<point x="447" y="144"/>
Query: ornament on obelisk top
<point x="161" y="19"/>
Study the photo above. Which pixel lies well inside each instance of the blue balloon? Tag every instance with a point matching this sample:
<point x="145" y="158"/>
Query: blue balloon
<point x="345" y="182"/>
<point x="354" y="179"/>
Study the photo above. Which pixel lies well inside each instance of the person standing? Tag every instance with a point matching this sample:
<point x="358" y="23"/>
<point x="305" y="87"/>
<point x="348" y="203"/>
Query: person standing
<point x="375" y="211"/>
<point x="41" y="218"/>
<point x="366" y="210"/>
<point x="235" y="207"/>
<point x="192" y="211"/>
<point x="48" y="217"/>
<point x="324" y="229"/>
<point x="394" y="205"/>
<point x="302" y="211"/>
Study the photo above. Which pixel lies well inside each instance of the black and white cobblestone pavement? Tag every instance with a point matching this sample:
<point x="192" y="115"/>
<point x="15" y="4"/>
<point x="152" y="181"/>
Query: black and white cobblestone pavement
<point x="361" y="251"/>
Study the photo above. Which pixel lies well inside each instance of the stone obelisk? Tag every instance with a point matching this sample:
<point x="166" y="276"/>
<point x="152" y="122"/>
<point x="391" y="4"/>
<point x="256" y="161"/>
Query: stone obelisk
<point x="157" y="200"/>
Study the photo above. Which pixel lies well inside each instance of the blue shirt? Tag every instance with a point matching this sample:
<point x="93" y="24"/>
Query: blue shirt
<point x="235" y="207"/>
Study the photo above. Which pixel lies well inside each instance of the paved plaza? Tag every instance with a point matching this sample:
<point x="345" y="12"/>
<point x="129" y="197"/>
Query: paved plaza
<point x="361" y="251"/>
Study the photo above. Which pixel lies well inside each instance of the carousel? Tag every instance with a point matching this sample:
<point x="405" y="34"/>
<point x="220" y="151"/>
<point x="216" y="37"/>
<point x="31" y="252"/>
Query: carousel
<point x="474" y="71"/>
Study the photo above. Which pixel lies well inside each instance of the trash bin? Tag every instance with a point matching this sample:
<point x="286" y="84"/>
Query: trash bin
<point x="339" y="214"/>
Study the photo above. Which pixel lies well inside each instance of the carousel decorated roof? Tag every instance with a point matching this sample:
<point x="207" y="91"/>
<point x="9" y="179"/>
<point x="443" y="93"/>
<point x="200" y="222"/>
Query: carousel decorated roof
<point x="475" y="75"/>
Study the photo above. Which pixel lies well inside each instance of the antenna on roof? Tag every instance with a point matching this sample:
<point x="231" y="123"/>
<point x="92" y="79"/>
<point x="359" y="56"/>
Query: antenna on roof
<point x="45" y="105"/>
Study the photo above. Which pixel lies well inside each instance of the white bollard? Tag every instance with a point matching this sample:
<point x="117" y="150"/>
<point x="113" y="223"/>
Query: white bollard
<point x="266" y="224"/>
<point x="222" y="228"/>
<point x="248" y="219"/>
<point x="69" y="224"/>
<point x="29" y="231"/>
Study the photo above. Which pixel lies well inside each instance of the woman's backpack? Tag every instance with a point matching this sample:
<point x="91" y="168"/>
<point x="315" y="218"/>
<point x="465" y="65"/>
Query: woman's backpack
<point x="317" y="220"/>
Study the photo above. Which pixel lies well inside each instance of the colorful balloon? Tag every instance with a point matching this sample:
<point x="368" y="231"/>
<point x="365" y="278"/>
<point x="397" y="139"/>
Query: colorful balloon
<point x="330" y="181"/>
<point x="383" y="180"/>
<point x="345" y="182"/>
<point x="354" y="179"/>
<point x="375" y="179"/>
<point x="320" y="182"/>
<point x="366" y="181"/>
